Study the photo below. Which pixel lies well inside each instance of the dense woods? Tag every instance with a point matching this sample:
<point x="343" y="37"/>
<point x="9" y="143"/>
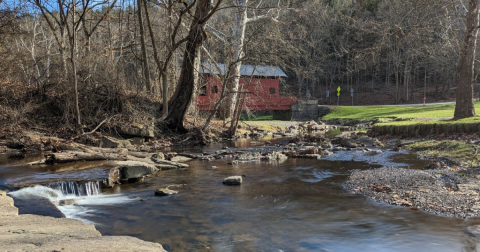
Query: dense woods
<point x="75" y="64"/>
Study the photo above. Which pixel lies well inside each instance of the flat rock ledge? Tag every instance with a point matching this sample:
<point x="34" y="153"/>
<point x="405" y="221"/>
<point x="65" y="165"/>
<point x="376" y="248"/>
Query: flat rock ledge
<point x="452" y="192"/>
<point x="29" y="232"/>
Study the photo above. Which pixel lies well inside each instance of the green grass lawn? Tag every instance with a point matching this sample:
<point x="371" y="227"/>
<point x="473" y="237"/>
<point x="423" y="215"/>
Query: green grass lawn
<point x="393" y="113"/>
<point x="459" y="152"/>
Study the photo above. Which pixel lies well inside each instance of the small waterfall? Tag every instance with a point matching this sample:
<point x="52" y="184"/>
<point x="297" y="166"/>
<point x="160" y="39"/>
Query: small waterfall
<point x="87" y="188"/>
<point x="74" y="199"/>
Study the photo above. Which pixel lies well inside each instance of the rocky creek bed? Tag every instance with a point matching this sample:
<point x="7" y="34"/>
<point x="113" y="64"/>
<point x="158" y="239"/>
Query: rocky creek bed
<point x="441" y="189"/>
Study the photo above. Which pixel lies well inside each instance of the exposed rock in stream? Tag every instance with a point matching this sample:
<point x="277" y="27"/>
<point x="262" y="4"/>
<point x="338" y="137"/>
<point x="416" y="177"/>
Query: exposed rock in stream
<point x="164" y="192"/>
<point x="135" y="169"/>
<point x="233" y="180"/>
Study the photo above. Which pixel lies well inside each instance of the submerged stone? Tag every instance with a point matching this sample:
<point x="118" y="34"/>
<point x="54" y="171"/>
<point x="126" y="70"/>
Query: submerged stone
<point x="473" y="231"/>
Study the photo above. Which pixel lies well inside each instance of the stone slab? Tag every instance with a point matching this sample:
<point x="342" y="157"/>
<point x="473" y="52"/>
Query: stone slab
<point x="180" y="159"/>
<point x="3" y="193"/>
<point x="6" y="201"/>
<point x="29" y="224"/>
<point x="8" y="211"/>
<point x="104" y="243"/>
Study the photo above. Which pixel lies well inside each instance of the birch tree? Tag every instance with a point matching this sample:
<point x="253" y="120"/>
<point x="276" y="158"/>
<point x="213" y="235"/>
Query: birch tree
<point x="235" y="45"/>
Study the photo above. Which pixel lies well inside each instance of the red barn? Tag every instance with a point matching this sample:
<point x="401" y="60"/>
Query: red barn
<point x="262" y="83"/>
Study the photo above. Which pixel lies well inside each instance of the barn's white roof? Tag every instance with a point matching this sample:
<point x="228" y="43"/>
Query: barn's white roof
<point x="246" y="70"/>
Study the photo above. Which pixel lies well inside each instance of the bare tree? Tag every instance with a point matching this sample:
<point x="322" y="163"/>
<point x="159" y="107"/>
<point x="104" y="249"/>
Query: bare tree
<point x="182" y="97"/>
<point x="235" y="45"/>
<point x="146" y="65"/>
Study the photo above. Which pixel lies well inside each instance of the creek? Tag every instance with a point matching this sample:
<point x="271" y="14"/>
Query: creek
<point x="290" y="205"/>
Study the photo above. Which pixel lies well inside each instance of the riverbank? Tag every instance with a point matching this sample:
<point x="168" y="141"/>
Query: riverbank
<point x="139" y="137"/>
<point x="446" y="191"/>
<point x="448" y="186"/>
<point x="29" y="232"/>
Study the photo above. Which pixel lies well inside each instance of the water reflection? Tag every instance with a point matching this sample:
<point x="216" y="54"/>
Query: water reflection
<point x="294" y="205"/>
<point x="297" y="205"/>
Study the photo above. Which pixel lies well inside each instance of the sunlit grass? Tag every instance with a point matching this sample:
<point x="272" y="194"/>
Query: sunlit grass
<point x="393" y="113"/>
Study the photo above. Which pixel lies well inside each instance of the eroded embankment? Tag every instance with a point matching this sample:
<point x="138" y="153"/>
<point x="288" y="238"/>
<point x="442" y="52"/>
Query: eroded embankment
<point x="445" y="191"/>
<point x="29" y="232"/>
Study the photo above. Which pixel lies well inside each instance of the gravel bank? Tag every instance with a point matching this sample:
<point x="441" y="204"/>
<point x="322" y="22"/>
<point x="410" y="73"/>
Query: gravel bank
<point x="446" y="191"/>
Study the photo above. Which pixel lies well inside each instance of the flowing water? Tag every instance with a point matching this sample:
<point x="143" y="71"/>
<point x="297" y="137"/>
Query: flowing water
<point x="293" y="205"/>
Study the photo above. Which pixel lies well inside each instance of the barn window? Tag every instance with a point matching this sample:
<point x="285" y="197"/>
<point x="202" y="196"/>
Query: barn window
<point x="214" y="89"/>
<point x="272" y="90"/>
<point x="203" y="91"/>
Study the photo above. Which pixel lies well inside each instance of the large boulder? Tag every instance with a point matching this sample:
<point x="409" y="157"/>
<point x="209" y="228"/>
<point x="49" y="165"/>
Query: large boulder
<point x="135" y="169"/>
<point x="233" y="180"/>
<point x="111" y="142"/>
<point x="137" y="130"/>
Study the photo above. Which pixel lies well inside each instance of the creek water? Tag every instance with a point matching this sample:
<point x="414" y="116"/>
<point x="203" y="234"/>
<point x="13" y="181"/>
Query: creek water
<point x="292" y="205"/>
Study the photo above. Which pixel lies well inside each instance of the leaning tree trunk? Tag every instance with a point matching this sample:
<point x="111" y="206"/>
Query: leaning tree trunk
<point x="182" y="97"/>
<point x="464" y="94"/>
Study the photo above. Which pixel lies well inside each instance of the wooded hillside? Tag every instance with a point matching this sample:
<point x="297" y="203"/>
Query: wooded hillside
<point x="82" y="62"/>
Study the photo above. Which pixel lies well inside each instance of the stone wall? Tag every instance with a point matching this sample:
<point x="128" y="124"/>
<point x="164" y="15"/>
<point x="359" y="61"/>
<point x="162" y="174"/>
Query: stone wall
<point x="282" y="115"/>
<point x="307" y="110"/>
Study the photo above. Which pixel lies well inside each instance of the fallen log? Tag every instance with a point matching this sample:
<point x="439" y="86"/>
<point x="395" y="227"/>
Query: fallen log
<point x="91" y="154"/>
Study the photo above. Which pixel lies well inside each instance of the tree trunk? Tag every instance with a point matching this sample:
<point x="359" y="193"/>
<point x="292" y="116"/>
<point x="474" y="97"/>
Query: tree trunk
<point x="235" y="56"/>
<point x="464" y="95"/>
<point x="165" y="76"/>
<point x="182" y="97"/>
<point x="74" y="67"/>
<point x="146" y="69"/>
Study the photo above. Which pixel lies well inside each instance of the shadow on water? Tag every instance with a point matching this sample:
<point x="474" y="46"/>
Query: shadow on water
<point x="293" y="205"/>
